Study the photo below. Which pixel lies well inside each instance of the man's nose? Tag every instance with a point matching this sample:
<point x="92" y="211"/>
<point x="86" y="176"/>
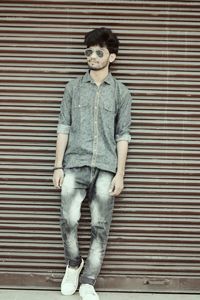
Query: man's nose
<point x="94" y="54"/>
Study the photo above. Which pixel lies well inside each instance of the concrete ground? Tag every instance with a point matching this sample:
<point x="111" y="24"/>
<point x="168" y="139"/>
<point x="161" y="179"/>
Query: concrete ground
<point x="55" y="295"/>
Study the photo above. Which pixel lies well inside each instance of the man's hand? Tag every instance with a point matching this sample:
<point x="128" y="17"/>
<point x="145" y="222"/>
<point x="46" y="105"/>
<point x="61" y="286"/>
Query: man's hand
<point x="58" y="177"/>
<point x="117" y="185"/>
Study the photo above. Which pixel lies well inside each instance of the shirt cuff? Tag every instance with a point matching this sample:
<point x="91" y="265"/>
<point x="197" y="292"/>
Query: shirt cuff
<point x="63" y="129"/>
<point x="123" y="137"/>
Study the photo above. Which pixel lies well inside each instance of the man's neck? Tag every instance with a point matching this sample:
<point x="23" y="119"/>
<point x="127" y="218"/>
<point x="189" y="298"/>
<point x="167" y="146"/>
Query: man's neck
<point x="99" y="76"/>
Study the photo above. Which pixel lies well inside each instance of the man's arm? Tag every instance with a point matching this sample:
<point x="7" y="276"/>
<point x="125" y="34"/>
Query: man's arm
<point x="118" y="180"/>
<point x="122" y="139"/>
<point x="63" y="130"/>
<point x="122" y="150"/>
<point x="61" y="145"/>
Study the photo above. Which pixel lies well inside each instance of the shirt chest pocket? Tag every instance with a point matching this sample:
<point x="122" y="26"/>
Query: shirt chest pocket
<point x="108" y="115"/>
<point x="109" y="106"/>
<point x="81" y="113"/>
<point x="81" y="103"/>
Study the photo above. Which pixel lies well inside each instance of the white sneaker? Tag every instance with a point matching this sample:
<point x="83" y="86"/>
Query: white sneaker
<point x="87" y="292"/>
<point x="70" y="280"/>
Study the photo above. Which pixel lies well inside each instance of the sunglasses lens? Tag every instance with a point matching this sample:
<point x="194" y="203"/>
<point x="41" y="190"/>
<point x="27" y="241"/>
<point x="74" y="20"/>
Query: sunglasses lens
<point x="99" y="53"/>
<point x="88" y="52"/>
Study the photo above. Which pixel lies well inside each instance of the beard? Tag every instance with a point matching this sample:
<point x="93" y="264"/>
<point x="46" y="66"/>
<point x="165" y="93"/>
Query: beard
<point x="98" y="67"/>
<point x="95" y="68"/>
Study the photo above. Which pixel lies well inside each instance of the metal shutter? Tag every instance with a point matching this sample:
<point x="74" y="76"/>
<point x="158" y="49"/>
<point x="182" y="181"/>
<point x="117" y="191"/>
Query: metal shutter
<point x="154" y="243"/>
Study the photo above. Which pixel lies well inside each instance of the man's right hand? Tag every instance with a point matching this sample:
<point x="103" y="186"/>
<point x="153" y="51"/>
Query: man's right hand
<point x="58" y="177"/>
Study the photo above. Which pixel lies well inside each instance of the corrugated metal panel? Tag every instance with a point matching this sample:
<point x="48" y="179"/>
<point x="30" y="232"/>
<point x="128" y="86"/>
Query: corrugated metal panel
<point x="154" y="243"/>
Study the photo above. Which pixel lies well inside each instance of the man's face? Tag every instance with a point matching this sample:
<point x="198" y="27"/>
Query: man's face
<point x="98" y="58"/>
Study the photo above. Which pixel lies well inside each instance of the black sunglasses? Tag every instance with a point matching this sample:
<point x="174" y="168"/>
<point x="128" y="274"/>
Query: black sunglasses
<point x="88" y="52"/>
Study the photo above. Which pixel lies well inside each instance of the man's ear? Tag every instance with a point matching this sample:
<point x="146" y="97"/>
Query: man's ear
<point x="112" y="57"/>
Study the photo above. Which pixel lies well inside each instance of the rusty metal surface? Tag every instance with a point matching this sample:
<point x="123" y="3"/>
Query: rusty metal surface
<point x="138" y="283"/>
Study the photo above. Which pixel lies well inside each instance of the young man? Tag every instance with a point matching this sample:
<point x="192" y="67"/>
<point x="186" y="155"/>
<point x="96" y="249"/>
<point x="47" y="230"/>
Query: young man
<point x="91" y="151"/>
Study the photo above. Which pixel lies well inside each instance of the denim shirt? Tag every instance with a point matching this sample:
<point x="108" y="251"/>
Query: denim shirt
<point x="95" y="118"/>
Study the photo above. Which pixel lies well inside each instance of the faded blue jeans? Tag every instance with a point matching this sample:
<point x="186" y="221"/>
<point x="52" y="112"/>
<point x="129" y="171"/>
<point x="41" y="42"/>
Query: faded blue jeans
<point x="94" y="184"/>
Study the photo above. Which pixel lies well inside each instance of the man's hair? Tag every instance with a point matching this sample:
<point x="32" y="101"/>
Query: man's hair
<point x="104" y="37"/>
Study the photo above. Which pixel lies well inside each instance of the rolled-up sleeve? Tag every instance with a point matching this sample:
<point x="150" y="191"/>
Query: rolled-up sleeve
<point x="123" y="121"/>
<point x="64" y="120"/>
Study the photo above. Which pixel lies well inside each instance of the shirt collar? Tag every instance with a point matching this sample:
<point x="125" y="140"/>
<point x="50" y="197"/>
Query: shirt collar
<point x="88" y="78"/>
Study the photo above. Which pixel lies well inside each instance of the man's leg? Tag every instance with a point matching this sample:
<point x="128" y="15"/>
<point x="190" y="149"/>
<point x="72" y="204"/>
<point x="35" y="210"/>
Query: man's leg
<point x="101" y="207"/>
<point x="72" y="196"/>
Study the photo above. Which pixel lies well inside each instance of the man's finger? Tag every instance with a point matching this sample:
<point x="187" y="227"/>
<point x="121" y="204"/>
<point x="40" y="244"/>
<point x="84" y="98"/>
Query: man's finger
<point x="61" y="182"/>
<point x="111" y="187"/>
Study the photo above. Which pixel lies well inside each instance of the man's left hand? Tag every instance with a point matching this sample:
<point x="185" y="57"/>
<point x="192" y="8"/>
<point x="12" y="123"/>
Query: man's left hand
<point x="117" y="185"/>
